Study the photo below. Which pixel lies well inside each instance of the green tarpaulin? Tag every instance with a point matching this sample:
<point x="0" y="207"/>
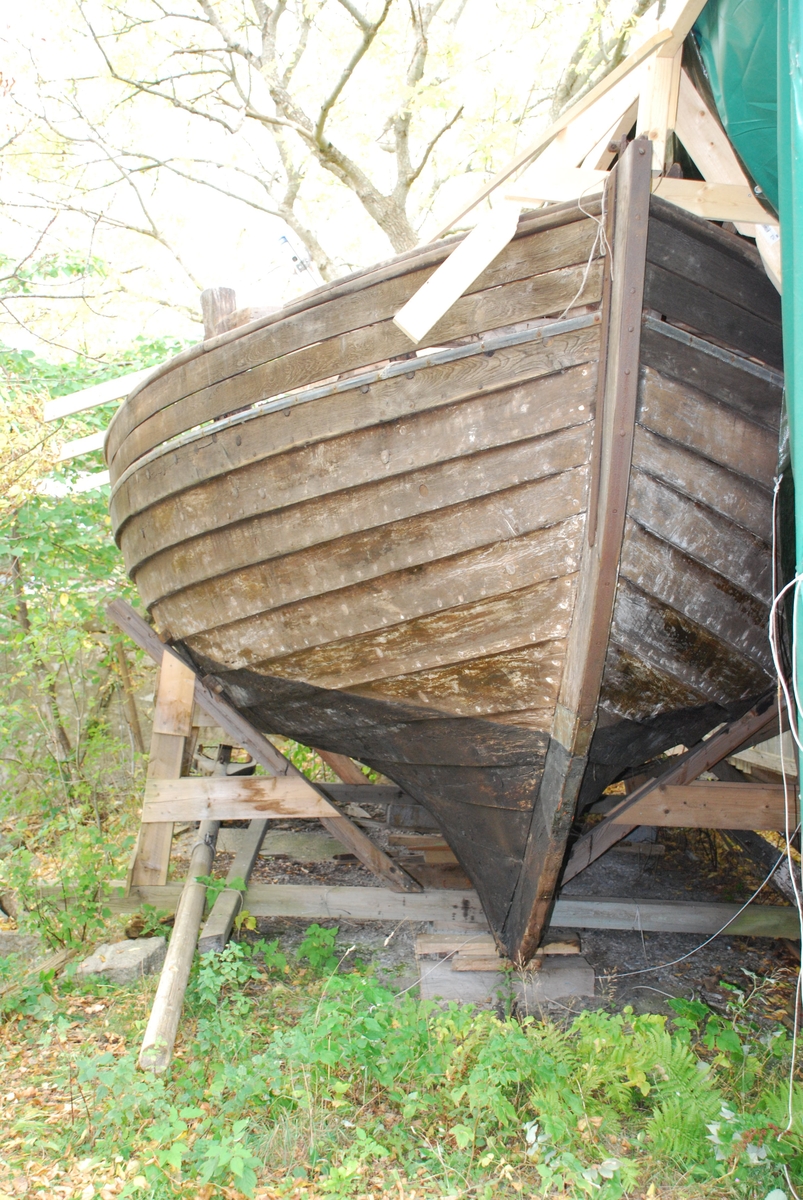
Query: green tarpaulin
<point x="752" y="51"/>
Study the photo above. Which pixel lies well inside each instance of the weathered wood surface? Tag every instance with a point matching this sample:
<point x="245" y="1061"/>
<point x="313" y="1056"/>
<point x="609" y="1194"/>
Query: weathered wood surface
<point x="702" y="805"/>
<point x="398" y="565"/>
<point x="463" y="909"/>
<point x="156" y="1052"/>
<point x="219" y="923"/>
<point x="358" y="340"/>
<point x="231" y="798"/>
<point x="280" y="458"/>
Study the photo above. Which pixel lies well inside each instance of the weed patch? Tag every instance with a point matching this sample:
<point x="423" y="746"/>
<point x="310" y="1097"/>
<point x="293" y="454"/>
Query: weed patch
<point x="293" y="1078"/>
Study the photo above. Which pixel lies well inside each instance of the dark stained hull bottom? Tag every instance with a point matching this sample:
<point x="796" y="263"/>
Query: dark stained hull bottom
<point x="480" y="779"/>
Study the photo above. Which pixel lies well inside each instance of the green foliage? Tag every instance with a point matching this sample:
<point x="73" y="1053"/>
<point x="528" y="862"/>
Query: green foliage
<point x="318" y="948"/>
<point x="71" y="908"/>
<point x="331" y="1081"/>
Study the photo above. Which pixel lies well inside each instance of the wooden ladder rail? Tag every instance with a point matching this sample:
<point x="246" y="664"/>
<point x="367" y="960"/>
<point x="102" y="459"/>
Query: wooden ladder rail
<point x="264" y="752"/>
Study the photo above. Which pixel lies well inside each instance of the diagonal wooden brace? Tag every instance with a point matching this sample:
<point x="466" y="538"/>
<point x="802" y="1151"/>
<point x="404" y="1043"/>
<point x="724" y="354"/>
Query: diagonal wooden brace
<point x="265" y="753"/>
<point x="684" y="769"/>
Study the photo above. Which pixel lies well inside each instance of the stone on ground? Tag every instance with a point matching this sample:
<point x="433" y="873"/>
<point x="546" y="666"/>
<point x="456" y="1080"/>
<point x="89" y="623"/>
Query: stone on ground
<point x="124" y="962"/>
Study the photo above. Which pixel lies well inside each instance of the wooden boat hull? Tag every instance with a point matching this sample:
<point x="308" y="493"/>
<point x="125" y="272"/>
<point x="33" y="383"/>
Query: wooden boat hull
<point x="503" y="572"/>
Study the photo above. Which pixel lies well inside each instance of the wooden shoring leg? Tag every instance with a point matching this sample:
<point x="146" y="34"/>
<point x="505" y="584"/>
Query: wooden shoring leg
<point x="160" y="1035"/>
<point x="685" y="769"/>
<point x="244" y="734"/>
<point x="218" y="925"/>
<point x="172" y="723"/>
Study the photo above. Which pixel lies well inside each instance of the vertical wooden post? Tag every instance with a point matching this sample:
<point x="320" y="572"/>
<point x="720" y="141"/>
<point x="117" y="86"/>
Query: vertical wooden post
<point x="172" y="723"/>
<point x="658" y="106"/>
<point x="216" y="303"/>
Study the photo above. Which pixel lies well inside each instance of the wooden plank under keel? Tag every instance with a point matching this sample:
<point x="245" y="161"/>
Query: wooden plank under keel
<point x="462" y="910"/>
<point x="685" y="769"/>
<point x="265" y="753"/>
<point x="232" y="798"/>
<point x="575" y="712"/>
<point x="702" y="805"/>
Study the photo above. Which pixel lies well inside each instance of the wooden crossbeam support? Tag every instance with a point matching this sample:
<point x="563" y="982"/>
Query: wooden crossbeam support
<point x="532" y="151"/>
<point x="461" y="909"/>
<point x="685" y="769"/>
<point x="703" y="805"/>
<point x="714" y="201"/>
<point x="264" y="752"/>
<point x="232" y="798"/>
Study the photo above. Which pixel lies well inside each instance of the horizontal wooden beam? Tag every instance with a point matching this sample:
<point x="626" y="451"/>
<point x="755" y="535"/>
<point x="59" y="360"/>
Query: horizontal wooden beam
<point x="463" y="909"/>
<point x="714" y="201"/>
<point x="231" y="798"/>
<point x="714" y="806"/>
<point x="93" y="397"/>
<point x="685" y="769"/>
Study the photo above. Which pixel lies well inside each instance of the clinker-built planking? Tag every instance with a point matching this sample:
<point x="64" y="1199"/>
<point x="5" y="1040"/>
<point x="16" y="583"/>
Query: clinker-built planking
<point x="501" y="570"/>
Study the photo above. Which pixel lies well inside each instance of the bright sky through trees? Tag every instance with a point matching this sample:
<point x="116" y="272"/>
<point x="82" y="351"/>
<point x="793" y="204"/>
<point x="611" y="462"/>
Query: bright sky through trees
<point x="151" y="148"/>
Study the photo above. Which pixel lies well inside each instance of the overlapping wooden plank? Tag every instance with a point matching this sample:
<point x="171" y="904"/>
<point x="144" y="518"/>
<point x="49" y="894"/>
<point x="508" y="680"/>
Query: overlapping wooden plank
<point x="704" y="536"/>
<point x="664" y="638"/>
<point x="693" y="306"/>
<point x="722" y="490"/>
<point x="504" y="303"/>
<point x="396" y="566"/>
<point x="733" y="278"/>
<point x="544" y="242"/>
<point x="721" y="375"/>
<point x="468" y="630"/>
<point x="526" y="679"/>
<point x="637" y="690"/>
<point x="713" y="430"/>
<point x="331" y="446"/>
<point x="729" y="613"/>
<point x="425" y="492"/>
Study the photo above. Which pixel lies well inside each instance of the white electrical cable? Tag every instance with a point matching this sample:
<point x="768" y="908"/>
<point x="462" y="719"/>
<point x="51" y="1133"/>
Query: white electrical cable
<point x="792" y="713"/>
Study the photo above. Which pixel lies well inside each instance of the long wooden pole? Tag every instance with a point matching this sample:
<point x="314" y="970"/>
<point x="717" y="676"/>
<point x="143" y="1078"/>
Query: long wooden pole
<point x="160" y="1036"/>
